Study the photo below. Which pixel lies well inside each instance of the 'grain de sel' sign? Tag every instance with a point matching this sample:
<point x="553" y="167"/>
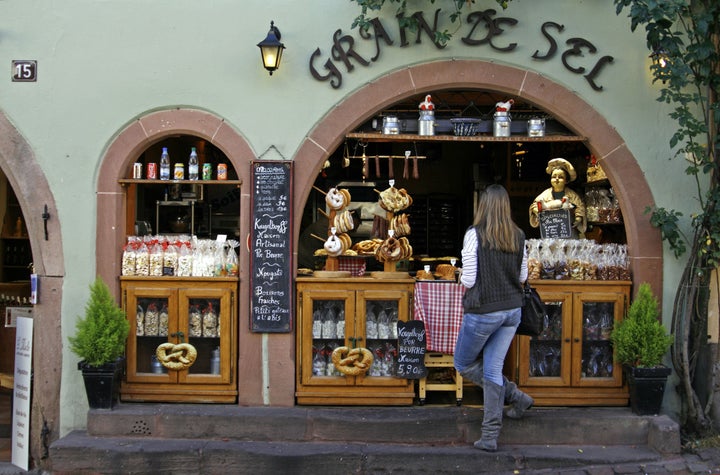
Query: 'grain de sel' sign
<point x="271" y="247"/>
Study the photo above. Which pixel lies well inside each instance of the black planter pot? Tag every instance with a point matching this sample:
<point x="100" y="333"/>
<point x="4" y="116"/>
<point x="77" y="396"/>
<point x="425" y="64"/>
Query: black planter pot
<point x="647" y="387"/>
<point x="102" y="383"/>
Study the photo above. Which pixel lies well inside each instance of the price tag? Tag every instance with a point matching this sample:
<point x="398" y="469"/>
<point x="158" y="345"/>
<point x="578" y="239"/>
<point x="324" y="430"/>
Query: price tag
<point x="24" y="70"/>
<point x="411" y="354"/>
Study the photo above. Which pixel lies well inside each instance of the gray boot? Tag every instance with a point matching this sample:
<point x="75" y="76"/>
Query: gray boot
<point x="519" y="401"/>
<point x="492" y="416"/>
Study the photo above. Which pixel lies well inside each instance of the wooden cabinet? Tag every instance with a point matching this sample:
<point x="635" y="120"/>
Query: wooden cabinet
<point x="198" y="311"/>
<point x="352" y="312"/>
<point x="572" y="361"/>
<point x="15" y="249"/>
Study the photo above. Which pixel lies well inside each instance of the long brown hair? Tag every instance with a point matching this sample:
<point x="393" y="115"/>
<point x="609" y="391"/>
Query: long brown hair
<point x="494" y="220"/>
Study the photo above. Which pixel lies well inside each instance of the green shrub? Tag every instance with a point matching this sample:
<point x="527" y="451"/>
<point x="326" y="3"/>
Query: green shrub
<point x="640" y="339"/>
<point x="100" y="335"/>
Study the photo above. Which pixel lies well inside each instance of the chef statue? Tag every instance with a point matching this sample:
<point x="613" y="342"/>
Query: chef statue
<point x="558" y="196"/>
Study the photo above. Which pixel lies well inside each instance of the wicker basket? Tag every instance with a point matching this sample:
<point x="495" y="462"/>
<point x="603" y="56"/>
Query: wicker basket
<point x="465" y="126"/>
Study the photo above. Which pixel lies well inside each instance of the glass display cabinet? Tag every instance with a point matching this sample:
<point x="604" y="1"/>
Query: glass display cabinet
<point x="357" y="312"/>
<point x="572" y="361"/>
<point x="181" y="345"/>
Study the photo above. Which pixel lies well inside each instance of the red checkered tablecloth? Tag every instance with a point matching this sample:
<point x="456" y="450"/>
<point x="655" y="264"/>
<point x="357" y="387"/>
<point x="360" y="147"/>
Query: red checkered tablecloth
<point x="439" y="306"/>
<point x="354" y="265"/>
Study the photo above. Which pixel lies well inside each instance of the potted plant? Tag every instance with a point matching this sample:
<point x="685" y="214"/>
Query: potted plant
<point x="100" y="343"/>
<point x="640" y="342"/>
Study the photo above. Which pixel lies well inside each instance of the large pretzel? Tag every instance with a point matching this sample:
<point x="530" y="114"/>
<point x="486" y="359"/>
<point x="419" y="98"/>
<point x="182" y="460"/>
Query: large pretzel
<point x="352" y="362"/>
<point x="177" y="357"/>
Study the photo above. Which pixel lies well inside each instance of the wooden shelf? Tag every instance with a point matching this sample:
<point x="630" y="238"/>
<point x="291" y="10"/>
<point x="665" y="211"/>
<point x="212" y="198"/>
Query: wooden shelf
<point x="380" y="137"/>
<point x="130" y="181"/>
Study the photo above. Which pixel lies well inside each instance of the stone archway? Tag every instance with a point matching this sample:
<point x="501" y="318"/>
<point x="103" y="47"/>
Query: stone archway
<point x="27" y="179"/>
<point x="644" y="241"/>
<point x="111" y="231"/>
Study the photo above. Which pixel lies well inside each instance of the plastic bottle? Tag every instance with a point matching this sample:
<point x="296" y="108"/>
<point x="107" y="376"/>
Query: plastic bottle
<point x="165" y="164"/>
<point x="193" y="166"/>
<point x="215" y="361"/>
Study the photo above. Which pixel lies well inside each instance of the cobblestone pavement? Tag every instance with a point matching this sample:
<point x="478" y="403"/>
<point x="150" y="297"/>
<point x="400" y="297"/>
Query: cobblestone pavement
<point x="705" y="461"/>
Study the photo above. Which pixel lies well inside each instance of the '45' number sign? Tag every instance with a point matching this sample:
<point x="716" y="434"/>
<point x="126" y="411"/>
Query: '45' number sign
<point x="24" y="70"/>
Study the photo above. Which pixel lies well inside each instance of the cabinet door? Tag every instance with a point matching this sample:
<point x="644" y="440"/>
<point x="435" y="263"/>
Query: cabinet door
<point x="205" y="320"/>
<point x="595" y="314"/>
<point x="152" y="314"/>
<point x="378" y="312"/>
<point x="326" y="317"/>
<point x="545" y="360"/>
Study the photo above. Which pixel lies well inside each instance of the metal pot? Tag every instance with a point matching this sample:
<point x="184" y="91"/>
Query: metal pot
<point x="391" y="126"/>
<point x="536" y="127"/>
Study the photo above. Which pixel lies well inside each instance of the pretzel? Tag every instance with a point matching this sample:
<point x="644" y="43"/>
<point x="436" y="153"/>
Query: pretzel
<point x="337" y="199"/>
<point x="352" y="362"/>
<point x="181" y="356"/>
<point x="368" y="246"/>
<point x="333" y="245"/>
<point x="394" y="200"/>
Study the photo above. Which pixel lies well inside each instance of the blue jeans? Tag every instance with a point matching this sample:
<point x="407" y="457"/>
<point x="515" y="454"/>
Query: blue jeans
<point x="484" y="340"/>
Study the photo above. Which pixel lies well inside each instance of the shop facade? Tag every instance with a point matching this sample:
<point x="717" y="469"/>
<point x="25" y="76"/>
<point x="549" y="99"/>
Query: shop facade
<point x="324" y="90"/>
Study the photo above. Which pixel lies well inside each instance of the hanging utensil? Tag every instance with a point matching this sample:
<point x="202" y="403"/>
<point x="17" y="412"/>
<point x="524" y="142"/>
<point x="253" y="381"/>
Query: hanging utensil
<point x="346" y="156"/>
<point x="406" y="166"/>
<point x="377" y="166"/>
<point x="366" y="164"/>
<point x="391" y="173"/>
<point x="416" y="172"/>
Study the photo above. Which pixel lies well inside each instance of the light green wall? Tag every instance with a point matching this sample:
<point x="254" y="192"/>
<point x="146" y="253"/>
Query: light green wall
<point x="103" y="63"/>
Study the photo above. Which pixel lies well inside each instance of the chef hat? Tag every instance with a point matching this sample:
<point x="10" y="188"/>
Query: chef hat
<point x="563" y="164"/>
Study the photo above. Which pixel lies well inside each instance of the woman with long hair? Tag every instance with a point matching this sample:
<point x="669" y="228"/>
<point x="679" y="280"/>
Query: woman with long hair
<point x="494" y="266"/>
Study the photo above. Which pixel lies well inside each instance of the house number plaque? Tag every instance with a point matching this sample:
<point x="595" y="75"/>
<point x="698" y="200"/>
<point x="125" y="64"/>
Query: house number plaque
<point x="24" y="70"/>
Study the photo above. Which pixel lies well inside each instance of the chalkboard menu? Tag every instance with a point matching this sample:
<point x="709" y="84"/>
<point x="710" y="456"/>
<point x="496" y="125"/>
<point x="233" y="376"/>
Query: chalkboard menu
<point x="556" y="223"/>
<point x="411" y="354"/>
<point x="270" y="247"/>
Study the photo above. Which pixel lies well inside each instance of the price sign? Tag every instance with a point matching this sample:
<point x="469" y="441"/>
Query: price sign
<point x="556" y="224"/>
<point x="411" y="354"/>
<point x="24" y="70"/>
<point x="270" y="247"/>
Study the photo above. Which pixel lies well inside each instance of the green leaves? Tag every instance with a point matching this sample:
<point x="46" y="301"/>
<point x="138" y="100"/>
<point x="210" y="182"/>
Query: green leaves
<point x="409" y="21"/>
<point x="100" y="335"/>
<point x="640" y="339"/>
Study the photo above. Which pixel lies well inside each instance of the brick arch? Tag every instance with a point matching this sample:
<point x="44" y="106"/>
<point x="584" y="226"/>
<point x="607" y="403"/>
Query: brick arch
<point x="110" y="232"/>
<point x="644" y="241"/>
<point x="129" y="144"/>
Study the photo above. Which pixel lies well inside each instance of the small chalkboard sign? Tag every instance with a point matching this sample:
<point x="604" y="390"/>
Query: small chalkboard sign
<point x="556" y="223"/>
<point x="271" y="247"/>
<point x="411" y="354"/>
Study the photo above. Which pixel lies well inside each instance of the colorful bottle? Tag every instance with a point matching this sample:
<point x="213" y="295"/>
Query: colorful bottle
<point x="193" y="165"/>
<point x="165" y="164"/>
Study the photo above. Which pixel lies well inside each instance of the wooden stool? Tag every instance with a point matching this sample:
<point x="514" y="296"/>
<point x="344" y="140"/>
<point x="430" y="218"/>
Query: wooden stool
<point x="7" y="380"/>
<point x="441" y="360"/>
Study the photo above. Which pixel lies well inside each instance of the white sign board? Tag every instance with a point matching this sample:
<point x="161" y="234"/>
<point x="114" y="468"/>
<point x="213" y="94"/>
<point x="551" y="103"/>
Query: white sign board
<point x="21" y="393"/>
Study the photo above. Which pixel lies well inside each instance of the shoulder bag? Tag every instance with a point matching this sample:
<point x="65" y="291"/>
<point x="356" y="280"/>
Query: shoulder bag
<point x="534" y="313"/>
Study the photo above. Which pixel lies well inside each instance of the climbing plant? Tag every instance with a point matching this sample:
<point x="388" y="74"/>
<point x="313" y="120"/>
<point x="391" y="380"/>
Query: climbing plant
<point x="684" y="36"/>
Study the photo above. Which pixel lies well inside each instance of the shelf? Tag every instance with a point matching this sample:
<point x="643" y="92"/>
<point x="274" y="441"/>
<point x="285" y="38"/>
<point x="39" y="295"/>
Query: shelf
<point x="380" y="137"/>
<point x="134" y="181"/>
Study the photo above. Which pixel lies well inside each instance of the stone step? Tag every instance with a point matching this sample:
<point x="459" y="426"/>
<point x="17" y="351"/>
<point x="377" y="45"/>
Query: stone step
<point x="197" y="438"/>
<point x="79" y="453"/>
